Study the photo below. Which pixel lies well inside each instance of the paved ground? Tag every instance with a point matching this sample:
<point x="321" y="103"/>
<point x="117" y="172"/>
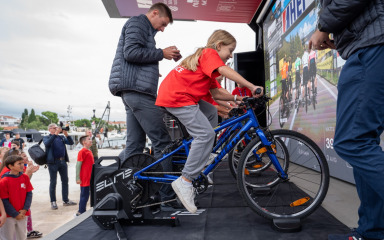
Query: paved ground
<point x="44" y="219"/>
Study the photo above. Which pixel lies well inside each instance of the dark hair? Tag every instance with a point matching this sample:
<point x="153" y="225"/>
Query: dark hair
<point x="10" y="160"/>
<point x="82" y="139"/>
<point x="16" y="142"/>
<point x="163" y="9"/>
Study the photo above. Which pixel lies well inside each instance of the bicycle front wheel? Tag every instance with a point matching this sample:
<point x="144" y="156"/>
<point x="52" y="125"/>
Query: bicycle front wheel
<point x="295" y="197"/>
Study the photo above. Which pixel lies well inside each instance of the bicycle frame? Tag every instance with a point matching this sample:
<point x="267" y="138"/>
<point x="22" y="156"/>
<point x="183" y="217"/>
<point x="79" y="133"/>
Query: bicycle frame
<point x="252" y="122"/>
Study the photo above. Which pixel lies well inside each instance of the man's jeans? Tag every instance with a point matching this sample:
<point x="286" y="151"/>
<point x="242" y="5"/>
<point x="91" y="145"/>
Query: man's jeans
<point x="61" y="167"/>
<point x="359" y="124"/>
<point x="145" y="118"/>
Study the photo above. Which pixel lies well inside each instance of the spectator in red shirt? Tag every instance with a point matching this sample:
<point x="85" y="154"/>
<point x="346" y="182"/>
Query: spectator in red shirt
<point x="16" y="193"/>
<point x="242" y="91"/>
<point x="180" y="93"/>
<point x="84" y="165"/>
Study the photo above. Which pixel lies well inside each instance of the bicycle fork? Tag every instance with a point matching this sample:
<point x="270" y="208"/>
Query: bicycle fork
<point x="270" y="149"/>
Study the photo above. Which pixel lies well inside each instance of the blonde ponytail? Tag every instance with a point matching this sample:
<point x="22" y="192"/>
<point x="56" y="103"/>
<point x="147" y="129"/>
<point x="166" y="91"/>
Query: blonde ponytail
<point x="218" y="37"/>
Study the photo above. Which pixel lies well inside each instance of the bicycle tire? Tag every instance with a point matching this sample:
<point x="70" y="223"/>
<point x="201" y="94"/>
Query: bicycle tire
<point x="281" y="111"/>
<point x="304" y="190"/>
<point x="313" y="95"/>
<point x="306" y="98"/>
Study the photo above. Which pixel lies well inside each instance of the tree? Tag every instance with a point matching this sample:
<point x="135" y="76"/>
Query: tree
<point x="36" y="125"/>
<point x="83" y="123"/>
<point x="32" y="116"/>
<point x="51" y="116"/>
<point x="43" y="120"/>
<point x="24" y="118"/>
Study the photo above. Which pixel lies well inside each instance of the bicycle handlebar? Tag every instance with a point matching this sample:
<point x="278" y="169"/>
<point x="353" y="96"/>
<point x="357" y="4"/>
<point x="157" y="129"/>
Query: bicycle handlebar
<point x="249" y="102"/>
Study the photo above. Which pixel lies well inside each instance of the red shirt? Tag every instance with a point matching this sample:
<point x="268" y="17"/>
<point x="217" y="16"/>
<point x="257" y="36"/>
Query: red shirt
<point x="15" y="189"/>
<point x="208" y="98"/>
<point x="183" y="87"/>
<point x="85" y="156"/>
<point x="242" y="92"/>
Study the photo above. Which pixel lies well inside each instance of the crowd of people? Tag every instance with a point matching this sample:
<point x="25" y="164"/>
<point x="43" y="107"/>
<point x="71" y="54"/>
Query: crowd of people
<point x="16" y="170"/>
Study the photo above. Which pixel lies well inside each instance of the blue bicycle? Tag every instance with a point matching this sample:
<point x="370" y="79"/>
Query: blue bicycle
<point x="264" y="167"/>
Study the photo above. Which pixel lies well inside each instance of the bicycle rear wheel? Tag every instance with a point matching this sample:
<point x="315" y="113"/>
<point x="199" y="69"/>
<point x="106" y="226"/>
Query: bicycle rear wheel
<point x="300" y="194"/>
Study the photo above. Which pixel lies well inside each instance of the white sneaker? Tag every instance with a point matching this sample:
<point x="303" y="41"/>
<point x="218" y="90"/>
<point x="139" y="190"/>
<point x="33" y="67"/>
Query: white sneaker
<point x="186" y="194"/>
<point x="211" y="159"/>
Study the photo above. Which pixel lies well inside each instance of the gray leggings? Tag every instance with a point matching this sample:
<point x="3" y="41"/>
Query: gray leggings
<point x="200" y="128"/>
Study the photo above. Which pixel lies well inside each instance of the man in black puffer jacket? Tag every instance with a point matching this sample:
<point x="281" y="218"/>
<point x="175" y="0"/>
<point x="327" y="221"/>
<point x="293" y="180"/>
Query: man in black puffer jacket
<point x="134" y="77"/>
<point x="358" y="29"/>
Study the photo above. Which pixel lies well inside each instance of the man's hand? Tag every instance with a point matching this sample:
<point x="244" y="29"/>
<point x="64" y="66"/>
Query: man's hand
<point x="320" y="41"/>
<point x="65" y="133"/>
<point x="78" y="181"/>
<point x="58" y="130"/>
<point x="172" y="53"/>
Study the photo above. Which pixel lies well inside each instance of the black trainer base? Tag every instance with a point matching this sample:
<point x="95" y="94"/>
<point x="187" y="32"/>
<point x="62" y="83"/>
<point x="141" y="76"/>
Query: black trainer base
<point x="286" y="225"/>
<point x="222" y="215"/>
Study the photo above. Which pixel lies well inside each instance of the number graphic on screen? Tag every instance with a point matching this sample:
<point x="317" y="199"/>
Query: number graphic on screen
<point x="329" y="143"/>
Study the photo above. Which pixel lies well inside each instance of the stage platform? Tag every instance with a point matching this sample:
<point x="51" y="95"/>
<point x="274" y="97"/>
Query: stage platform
<point x="222" y="214"/>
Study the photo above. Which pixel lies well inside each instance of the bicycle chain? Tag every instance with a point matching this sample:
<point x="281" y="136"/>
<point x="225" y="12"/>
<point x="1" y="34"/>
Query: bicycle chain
<point x="154" y="204"/>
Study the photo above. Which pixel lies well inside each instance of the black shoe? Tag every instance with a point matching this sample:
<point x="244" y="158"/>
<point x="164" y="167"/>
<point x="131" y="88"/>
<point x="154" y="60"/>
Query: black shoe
<point x="54" y="206"/>
<point x="172" y="207"/>
<point x="34" y="234"/>
<point x="69" y="203"/>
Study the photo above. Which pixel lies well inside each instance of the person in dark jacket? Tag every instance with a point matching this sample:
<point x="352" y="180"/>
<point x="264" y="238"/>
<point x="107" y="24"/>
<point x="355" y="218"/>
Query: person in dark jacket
<point x="57" y="158"/>
<point x="358" y="30"/>
<point x="134" y="77"/>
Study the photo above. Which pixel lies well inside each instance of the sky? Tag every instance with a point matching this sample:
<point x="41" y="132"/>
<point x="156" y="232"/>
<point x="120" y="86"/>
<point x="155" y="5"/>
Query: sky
<point x="56" y="53"/>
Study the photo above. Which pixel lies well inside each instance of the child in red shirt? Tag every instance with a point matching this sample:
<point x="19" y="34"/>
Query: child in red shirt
<point x="181" y="91"/>
<point x="84" y="165"/>
<point x="16" y="193"/>
<point x="242" y="91"/>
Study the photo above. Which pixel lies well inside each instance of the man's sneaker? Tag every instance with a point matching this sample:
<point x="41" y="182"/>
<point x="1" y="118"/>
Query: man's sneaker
<point x="34" y="234"/>
<point x="350" y="236"/>
<point x="172" y="207"/>
<point x="69" y="203"/>
<point x="186" y="194"/>
<point x="54" y="206"/>
<point x="77" y="214"/>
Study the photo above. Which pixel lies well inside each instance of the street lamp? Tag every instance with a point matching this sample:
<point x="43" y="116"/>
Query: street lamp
<point x="94" y="110"/>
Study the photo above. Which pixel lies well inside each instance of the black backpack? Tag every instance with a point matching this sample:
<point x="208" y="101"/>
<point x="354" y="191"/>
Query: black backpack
<point x="38" y="154"/>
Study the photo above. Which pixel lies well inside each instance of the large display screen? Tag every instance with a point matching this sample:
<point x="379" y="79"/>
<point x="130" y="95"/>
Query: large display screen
<point x="302" y="83"/>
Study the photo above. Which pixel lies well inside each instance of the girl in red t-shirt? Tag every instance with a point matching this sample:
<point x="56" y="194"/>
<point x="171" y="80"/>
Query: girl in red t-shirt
<point x="180" y="93"/>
